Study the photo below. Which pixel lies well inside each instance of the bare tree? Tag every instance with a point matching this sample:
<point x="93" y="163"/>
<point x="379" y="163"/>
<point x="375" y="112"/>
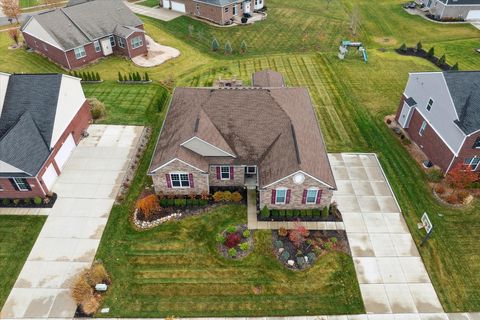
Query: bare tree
<point x="10" y="9"/>
<point x="14" y="35"/>
<point x="355" y="20"/>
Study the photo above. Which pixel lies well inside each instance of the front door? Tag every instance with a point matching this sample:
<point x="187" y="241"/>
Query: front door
<point x="246" y="7"/>
<point x="405" y="115"/>
<point x="106" y="46"/>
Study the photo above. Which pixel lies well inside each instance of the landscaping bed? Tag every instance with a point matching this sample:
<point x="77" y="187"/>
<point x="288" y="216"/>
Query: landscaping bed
<point x="36" y="202"/>
<point x="235" y="242"/>
<point x="428" y="55"/>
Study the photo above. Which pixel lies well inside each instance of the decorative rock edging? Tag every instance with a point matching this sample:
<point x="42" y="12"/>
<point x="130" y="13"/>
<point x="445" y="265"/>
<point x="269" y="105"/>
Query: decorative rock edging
<point x="468" y="201"/>
<point x="151" y="224"/>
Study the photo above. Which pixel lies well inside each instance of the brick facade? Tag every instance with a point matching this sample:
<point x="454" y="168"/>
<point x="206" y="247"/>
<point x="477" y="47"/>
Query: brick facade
<point x="468" y="151"/>
<point x="296" y="194"/>
<point x="212" y="13"/>
<point x="200" y="179"/>
<point x="79" y="123"/>
<point x="237" y="181"/>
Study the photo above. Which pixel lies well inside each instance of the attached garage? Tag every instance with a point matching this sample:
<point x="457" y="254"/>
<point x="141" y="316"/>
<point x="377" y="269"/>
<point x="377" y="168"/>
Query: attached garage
<point x="65" y="151"/>
<point x="49" y="177"/>
<point x="473" y="15"/>
<point x="178" y="6"/>
<point x="166" y="4"/>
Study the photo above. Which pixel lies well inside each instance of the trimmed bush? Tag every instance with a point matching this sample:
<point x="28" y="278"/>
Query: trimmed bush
<point x="27" y="201"/>
<point x="37" y="200"/>
<point x="311" y="257"/>
<point x="244" y="246"/>
<point x="5" y="202"/>
<point x="403" y="47"/>
<point x="278" y="244"/>
<point x="232" y="240"/>
<point x="419" y="46"/>
<point x="231" y="229"/>
<point x="180" y="202"/>
<point x="325" y="212"/>
<point x="215" y="44"/>
<point x="246" y="233"/>
<point x="236" y="197"/>
<point x="316" y="213"/>
<point x="284" y="256"/>
<point x="219" y="238"/>
<point x="455" y="66"/>
<point x="431" y="52"/>
<point x="232" y="252"/>
<point x="16" y="201"/>
<point x="97" y="108"/>
<point x="442" y="60"/>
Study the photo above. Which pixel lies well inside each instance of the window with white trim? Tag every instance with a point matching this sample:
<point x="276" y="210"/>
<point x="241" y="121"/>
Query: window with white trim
<point x="422" y="128"/>
<point x="234" y="11"/>
<point x="429" y="104"/>
<point x="21" y="183"/>
<point x="112" y="41"/>
<point x="280" y="196"/>
<point x="96" y="44"/>
<point x="137" y="42"/>
<point x="80" y="52"/>
<point x="225" y="173"/>
<point x="45" y="47"/>
<point x="476" y="145"/>
<point x="251" y="170"/>
<point x="472" y="162"/>
<point x="121" y="42"/>
<point x="179" y="180"/>
<point x="311" y="196"/>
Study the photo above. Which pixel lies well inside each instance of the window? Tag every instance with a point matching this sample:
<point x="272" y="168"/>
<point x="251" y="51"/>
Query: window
<point x="234" y="10"/>
<point x="45" y="47"/>
<point x="472" y="162"/>
<point x="429" y="105"/>
<point x="226" y="9"/>
<point x="256" y="2"/>
<point x="80" y="52"/>
<point x="21" y="184"/>
<point x="422" y="128"/>
<point x="96" y="44"/>
<point x="1" y="188"/>
<point x="36" y="44"/>
<point x="251" y="169"/>
<point x="121" y="42"/>
<point x="225" y="173"/>
<point x="280" y="196"/>
<point x="137" y="42"/>
<point x="179" y="180"/>
<point x="112" y="41"/>
<point x="476" y="145"/>
<point x="311" y="196"/>
<point x="241" y="6"/>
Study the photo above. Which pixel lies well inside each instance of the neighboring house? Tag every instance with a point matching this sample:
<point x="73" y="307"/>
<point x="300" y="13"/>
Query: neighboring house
<point x="454" y="9"/>
<point x="262" y="137"/>
<point x="219" y="11"/>
<point x="441" y="113"/>
<point x="84" y="32"/>
<point x="42" y="118"/>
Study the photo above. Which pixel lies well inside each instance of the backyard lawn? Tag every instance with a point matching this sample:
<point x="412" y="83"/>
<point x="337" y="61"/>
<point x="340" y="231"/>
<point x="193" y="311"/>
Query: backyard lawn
<point x="17" y="236"/>
<point x="149" y="3"/>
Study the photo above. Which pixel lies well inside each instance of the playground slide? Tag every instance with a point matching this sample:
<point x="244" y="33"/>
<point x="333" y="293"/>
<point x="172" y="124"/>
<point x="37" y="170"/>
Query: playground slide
<point x="365" y="56"/>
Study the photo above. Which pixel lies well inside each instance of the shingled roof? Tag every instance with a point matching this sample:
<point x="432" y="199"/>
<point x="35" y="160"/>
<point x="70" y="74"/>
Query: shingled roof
<point x="464" y="87"/>
<point x="268" y="79"/>
<point x="83" y="22"/>
<point x="273" y="128"/>
<point x="27" y="119"/>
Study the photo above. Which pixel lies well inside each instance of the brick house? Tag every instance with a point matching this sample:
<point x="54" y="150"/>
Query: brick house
<point x="42" y="118"/>
<point x="264" y="137"/>
<point x="218" y="11"/>
<point x="84" y="32"/>
<point x="441" y="113"/>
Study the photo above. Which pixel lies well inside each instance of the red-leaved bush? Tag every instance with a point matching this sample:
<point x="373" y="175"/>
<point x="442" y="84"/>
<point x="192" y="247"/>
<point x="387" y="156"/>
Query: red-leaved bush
<point x="233" y="239"/>
<point x="298" y="235"/>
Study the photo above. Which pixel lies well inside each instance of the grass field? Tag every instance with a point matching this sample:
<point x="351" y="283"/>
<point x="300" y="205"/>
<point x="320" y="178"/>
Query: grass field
<point x="17" y="236"/>
<point x="29" y="3"/>
<point x="149" y="3"/>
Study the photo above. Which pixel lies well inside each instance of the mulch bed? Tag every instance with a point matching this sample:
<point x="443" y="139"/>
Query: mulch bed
<point x="317" y="244"/>
<point x="21" y="204"/>
<point x="223" y="249"/>
<point x="334" y="216"/>
<point x="423" y="54"/>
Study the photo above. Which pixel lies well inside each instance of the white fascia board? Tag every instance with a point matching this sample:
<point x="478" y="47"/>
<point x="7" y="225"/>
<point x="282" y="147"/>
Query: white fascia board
<point x="6" y="167"/>
<point x="450" y="96"/>
<point x="176" y="159"/>
<point x="209" y="144"/>
<point x="292" y="174"/>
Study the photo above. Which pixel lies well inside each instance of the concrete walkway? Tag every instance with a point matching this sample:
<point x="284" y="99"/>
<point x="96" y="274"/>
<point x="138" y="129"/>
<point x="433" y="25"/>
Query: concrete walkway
<point x="392" y="277"/>
<point x="156" y="13"/>
<point x="69" y="239"/>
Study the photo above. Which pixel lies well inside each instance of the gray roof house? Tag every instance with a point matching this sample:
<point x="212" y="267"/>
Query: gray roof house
<point x="441" y="113"/>
<point x="453" y="9"/>
<point x="85" y="31"/>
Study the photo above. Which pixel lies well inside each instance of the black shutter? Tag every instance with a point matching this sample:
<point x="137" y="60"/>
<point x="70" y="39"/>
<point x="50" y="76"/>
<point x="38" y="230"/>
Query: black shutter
<point x="13" y="184"/>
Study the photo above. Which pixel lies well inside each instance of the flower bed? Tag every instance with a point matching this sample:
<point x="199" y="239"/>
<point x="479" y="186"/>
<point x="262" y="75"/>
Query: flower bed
<point x="35" y="202"/>
<point x="425" y="55"/>
<point x="235" y="242"/>
<point x="326" y="214"/>
<point x="299" y="248"/>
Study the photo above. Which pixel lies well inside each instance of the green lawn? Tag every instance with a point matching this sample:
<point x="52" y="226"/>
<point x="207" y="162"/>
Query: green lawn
<point x="17" y="236"/>
<point x="29" y="3"/>
<point x="149" y="3"/>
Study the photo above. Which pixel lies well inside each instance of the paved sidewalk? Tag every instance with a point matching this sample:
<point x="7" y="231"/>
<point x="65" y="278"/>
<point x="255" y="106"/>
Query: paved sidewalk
<point x="389" y="269"/>
<point x="156" y="13"/>
<point x="25" y="211"/>
<point x="69" y="238"/>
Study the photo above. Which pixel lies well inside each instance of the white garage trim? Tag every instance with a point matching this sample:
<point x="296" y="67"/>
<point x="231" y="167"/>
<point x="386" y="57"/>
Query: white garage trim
<point x="49" y="177"/>
<point x="178" y="6"/>
<point x="65" y="151"/>
<point x="473" y="15"/>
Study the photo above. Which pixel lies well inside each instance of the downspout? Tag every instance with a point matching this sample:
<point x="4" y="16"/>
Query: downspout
<point x="128" y="47"/>
<point x="68" y="62"/>
<point x="451" y="162"/>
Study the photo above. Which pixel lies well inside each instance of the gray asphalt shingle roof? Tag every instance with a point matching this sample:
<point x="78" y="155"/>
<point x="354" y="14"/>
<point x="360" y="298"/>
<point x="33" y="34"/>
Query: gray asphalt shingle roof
<point x="27" y="120"/>
<point x="79" y="24"/>
<point x="464" y="87"/>
<point x="220" y="3"/>
<point x="460" y="2"/>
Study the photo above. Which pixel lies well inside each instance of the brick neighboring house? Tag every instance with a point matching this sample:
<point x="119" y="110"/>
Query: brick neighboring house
<point x="85" y="31"/>
<point x="42" y="117"/>
<point x="262" y="137"/>
<point x="441" y="113"/>
<point x="218" y="11"/>
<point x="456" y="9"/>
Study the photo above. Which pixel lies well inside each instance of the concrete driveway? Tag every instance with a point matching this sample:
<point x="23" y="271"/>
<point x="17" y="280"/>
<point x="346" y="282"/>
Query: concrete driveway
<point x="156" y="12"/>
<point x="69" y="239"/>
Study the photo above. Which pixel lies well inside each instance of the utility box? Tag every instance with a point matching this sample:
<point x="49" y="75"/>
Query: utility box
<point x="101" y="287"/>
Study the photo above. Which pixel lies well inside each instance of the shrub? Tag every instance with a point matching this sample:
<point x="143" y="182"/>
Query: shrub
<point x="462" y="195"/>
<point x="120" y="77"/>
<point x="434" y="175"/>
<point x="228" y="48"/>
<point x="442" y="60"/>
<point x="233" y="239"/>
<point x="232" y="252"/>
<point x="265" y="213"/>
<point x="406" y="142"/>
<point x="325" y="212"/>
<point x="452" y="198"/>
<point x="231" y="229"/>
<point x="275" y="213"/>
<point x="282" y="232"/>
<point x="146" y="77"/>
<point x="227" y="196"/>
<point x="27" y="201"/>
<point x="244" y="246"/>
<point x="298" y="235"/>
<point x="97" y="77"/>
<point x="215" y="44"/>
<point x="431" y="52"/>
<point x="328" y="245"/>
<point x="460" y="176"/>
<point x="218" y="196"/>
<point x="282" y="213"/>
<point x="303" y="213"/>
<point x="246" y="233"/>
<point x="98" y="274"/>
<point x="419" y="46"/>
<point x="296" y="213"/>
<point x="148" y="205"/>
<point x="316" y="213"/>
<point x="278" y="244"/>
<point x="81" y="290"/>
<point x="16" y="201"/>
<point x="301" y="261"/>
<point x="284" y="256"/>
<point x="5" y="201"/>
<point x="308" y="213"/>
<point x="474" y="185"/>
<point x="180" y="202"/>
<point x="236" y="196"/>
<point x="97" y="108"/>
<point x="37" y="200"/>
<point x="455" y="66"/>
<point x="243" y="44"/>
<point x="219" y="238"/>
<point x="440" y="189"/>
<point x="403" y="47"/>
<point x="289" y="213"/>
<point x="90" y="306"/>
<point x="334" y="240"/>
<point x="311" y="257"/>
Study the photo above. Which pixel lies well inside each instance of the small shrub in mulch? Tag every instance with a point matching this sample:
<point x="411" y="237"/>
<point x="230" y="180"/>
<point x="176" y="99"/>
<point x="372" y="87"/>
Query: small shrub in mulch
<point x="299" y="249"/>
<point x="325" y="214"/>
<point x="35" y="202"/>
<point x="235" y="242"/>
<point x="429" y="55"/>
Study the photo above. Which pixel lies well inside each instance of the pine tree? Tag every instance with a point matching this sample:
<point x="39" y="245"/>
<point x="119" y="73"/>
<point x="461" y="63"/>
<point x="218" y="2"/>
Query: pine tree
<point x="403" y="47"/>
<point x="431" y="52"/>
<point x="419" y="46"/>
<point x="75" y="74"/>
<point x="228" y="48"/>
<point x="130" y="77"/>
<point x="120" y="77"/>
<point x="138" y="76"/>
<point x="442" y="60"/>
<point x="243" y="46"/>
<point x="455" y="66"/>
<point x="215" y="44"/>
<point x="147" y="78"/>
<point x="84" y="76"/>
<point x="97" y="77"/>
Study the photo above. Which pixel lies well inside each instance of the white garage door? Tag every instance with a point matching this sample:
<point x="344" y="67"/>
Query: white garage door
<point x="65" y="151"/>
<point x="177" y="6"/>
<point x="473" y="15"/>
<point x="166" y="4"/>
<point x="49" y="177"/>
